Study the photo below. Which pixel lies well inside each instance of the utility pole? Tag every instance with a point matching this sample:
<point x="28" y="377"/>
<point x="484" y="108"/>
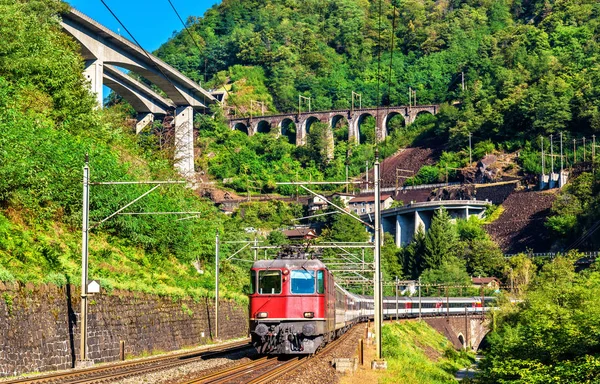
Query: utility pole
<point x="419" y="298"/>
<point x="217" y="285"/>
<point x="584" y="149"/>
<point x="359" y="97"/>
<point x="367" y="171"/>
<point x="561" y="153"/>
<point x="83" y="360"/>
<point x="397" y="298"/>
<point x="551" y="155"/>
<point x="463" y="81"/>
<point x="593" y="149"/>
<point x="470" y="152"/>
<point x="377" y="254"/>
<point x="574" y="153"/>
<point x="543" y="168"/>
<point x="346" y="175"/>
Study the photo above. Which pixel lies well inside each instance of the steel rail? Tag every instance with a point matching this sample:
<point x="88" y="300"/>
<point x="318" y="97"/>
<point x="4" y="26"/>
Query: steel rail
<point x="132" y="368"/>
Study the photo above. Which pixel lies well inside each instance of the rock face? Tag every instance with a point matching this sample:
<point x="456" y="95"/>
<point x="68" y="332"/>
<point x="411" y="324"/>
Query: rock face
<point x="521" y="227"/>
<point x="39" y="325"/>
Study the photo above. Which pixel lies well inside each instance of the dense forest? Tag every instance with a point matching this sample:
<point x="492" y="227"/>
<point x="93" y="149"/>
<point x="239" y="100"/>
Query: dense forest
<point x="530" y="67"/>
<point x="530" y="70"/>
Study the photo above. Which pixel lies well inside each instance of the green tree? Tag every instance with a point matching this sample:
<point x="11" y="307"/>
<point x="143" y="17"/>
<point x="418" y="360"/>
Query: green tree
<point x="552" y="335"/>
<point x="440" y="241"/>
<point x="412" y="256"/>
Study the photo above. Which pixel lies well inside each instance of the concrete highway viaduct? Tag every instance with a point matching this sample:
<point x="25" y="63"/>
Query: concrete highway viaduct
<point x="105" y="52"/>
<point x="404" y="222"/>
<point x="280" y="123"/>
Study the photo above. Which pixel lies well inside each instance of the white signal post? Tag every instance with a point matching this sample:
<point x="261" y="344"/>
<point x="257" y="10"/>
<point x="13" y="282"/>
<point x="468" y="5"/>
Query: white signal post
<point x="217" y="286"/>
<point x="377" y="253"/>
<point x="83" y="361"/>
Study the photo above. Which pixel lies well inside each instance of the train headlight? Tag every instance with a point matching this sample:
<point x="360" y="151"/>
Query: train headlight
<point x="262" y="315"/>
<point x="309" y="315"/>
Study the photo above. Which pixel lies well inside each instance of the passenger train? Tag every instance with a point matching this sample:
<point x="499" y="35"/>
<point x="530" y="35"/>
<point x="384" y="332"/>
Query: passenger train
<point x="296" y="307"/>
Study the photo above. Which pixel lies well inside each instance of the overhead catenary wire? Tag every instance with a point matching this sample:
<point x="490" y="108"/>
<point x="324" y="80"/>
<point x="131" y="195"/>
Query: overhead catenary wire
<point x="138" y="44"/>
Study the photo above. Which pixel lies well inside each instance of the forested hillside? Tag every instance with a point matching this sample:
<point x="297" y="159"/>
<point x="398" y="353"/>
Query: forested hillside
<point x="530" y="67"/>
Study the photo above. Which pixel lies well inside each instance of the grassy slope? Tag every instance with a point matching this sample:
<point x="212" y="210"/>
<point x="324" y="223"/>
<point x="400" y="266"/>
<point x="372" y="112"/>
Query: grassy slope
<point x="418" y="354"/>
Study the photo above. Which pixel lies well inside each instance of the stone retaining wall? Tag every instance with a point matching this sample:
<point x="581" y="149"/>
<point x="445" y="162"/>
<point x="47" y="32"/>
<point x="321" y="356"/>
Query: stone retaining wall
<point x="39" y="325"/>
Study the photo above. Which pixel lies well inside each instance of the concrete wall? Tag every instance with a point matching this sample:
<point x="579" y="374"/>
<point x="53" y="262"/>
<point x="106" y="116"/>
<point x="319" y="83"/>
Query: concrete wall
<point x="39" y="325"/>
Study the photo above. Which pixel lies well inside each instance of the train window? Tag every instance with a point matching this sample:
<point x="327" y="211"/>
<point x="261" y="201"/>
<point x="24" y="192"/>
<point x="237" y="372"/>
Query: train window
<point x="320" y="282"/>
<point x="269" y="282"/>
<point x="252" y="281"/>
<point x="303" y="281"/>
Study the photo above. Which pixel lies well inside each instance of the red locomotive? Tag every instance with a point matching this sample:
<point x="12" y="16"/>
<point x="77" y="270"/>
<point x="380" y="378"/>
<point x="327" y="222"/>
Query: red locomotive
<point x="295" y="305"/>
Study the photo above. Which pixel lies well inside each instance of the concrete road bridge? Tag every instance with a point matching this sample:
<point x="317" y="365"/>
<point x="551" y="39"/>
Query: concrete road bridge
<point x="281" y="123"/>
<point x="404" y="222"/>
<point x="105" y="52"/>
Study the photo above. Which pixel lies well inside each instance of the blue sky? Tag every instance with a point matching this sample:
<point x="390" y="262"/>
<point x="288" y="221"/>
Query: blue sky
<point x="152" y="22"/>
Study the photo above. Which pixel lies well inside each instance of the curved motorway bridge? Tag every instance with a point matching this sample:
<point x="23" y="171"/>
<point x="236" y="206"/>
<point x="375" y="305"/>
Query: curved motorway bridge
<point x="404" y="222"/>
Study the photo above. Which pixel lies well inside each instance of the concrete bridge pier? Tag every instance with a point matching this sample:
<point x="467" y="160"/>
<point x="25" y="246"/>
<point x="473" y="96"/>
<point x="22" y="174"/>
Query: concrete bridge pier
<point x="143" y="119"/>
<point x="94" y="73"/>
<point x="184" y="141"/>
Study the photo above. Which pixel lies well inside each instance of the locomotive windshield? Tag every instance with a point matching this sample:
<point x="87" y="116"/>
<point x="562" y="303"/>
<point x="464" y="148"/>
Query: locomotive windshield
<point x="269" y="282"/>
<point x="303" y="281"/>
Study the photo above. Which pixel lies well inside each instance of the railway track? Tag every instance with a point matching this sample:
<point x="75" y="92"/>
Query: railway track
<point x="105" y="374"/>
<point x="261" y="371"/>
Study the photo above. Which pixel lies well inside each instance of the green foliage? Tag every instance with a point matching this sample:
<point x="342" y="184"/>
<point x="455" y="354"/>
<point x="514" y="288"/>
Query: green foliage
<point x="344" y="228"/>
<point x="576" y="208"/>
<point x="266" y="215"/>
<point x="483" y="148"/>
<point x="553" y="334"/>
<point x="48" y="125"/>
<point x="451" y="271"/>
<point x="277" y="238"/>
<point x="440" y="241"/>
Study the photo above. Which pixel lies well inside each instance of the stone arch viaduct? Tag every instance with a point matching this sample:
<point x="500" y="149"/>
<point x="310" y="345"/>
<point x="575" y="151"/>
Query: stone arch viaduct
<point x="355" y="118"/>
<point x="106" y="54"/>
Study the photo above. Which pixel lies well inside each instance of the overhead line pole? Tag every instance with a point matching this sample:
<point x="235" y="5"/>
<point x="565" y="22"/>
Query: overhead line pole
<point x="217" y="285"/>
<point x="377" y="255"/>
<point x="83" y="360"/>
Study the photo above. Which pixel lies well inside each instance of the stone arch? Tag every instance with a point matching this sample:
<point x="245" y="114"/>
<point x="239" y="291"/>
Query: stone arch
<point x="390" y="122"/>
<point x="288" y="129"/>
<point x="481" y="342"/>
<point x="336" y="123"/>
<point x="308" y="122"/>
<point x="361" y="136"/>
<point x="423" y="112"/>
<point x="263" y="126"/>
<point x="241" y="127"/>
<point x="462" y="341"/>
